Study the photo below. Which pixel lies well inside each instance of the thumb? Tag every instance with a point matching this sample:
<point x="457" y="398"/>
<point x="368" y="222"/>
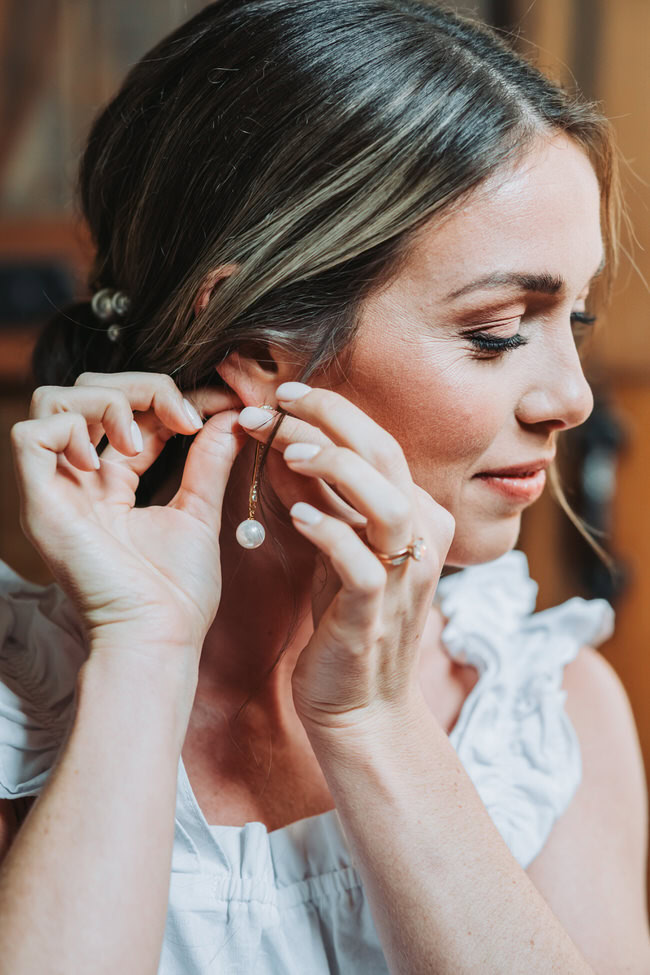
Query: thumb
<point x="208" y="466"/>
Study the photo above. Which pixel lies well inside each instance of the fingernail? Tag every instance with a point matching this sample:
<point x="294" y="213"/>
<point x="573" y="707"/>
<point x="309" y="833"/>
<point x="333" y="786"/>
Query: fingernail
<point x="95" y="458"/>
<point x="136" y="436"/>
<point x="191" y="412"/>
<point x="252" y="417"/>
<point x="291" y="391"/>
<point x="301" y="451"/>
<point x="305" y="512"/>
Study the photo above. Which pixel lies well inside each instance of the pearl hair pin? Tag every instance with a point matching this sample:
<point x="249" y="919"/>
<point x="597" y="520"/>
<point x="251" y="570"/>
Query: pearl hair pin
<point x="107" y="304"/>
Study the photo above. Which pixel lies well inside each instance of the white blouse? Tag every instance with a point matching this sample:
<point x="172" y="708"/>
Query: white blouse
<point x="245" y="901"/>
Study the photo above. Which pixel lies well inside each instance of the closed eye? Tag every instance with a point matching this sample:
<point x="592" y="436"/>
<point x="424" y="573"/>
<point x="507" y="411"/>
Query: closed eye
<point x="492" y="344"/>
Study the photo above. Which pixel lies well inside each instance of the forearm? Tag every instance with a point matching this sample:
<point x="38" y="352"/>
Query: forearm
<point x="85" y="885"/>
<point x="446" y="894"/>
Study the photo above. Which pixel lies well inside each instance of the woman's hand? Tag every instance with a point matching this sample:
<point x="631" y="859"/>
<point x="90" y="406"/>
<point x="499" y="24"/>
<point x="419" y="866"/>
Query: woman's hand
<point x="145" y="579"/>
<point x="362" y="660"/>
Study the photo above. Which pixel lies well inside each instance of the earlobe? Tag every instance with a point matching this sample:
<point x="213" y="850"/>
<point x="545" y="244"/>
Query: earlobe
<point x="210" y="282"/>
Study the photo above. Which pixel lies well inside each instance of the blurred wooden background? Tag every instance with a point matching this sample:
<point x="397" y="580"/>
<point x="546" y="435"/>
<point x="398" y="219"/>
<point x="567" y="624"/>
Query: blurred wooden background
<point x="61" y="59"/>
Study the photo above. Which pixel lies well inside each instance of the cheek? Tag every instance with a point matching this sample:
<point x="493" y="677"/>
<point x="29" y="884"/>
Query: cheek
<point x="445" y="415"/>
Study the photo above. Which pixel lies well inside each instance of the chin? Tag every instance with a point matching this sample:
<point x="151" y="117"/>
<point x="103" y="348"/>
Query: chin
<point x="475" y="543"/>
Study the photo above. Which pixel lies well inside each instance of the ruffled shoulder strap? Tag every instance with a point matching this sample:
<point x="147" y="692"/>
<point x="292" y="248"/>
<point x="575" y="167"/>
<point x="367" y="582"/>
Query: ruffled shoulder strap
<point x="514" y="736"/>
<point x="42" y="647"/>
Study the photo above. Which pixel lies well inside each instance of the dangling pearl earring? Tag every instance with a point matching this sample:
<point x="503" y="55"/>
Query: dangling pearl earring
<point x="250" y="533"/>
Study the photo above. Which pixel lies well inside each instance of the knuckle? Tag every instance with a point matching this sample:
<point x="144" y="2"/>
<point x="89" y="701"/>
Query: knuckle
<point x="39" y="396"/>
<point x="372" y="579"/>
<point x="168" y="383"/>
<point x="395" y="453"/>
<point x="345" y="455"/>
<point x="397" y="510"/>
<point x="447" y="521"/>
<point x="86" y="378"/>
<point x="119" y="399"/>
<point x="18" y="432"/>
<point x="337" y="460"/>
<point x="388" y="455"/>
<point x="79" y="423"/>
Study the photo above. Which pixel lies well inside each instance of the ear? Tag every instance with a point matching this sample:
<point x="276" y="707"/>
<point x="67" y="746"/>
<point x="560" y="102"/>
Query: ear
<point x="255" y="371"/>
<point x="210" y="282"/>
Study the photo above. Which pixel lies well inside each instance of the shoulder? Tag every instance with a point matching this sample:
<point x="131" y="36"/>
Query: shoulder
<point x="590" y="681"/>
<point x="600" y="711"/>
<point x="592" y="869"/>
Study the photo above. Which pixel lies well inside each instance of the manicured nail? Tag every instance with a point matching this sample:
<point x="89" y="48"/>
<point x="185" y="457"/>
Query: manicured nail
<point x="305" y="512"/>
<point x="301" y="451"/>
<point x="252" y="417"/>
<point x="136" y="436"/>
<point x="287" y="392"/>
<point x="191" y="412"/>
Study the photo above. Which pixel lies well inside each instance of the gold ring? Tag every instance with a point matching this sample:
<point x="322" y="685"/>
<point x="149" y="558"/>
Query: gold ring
<point x="415" y="550"/>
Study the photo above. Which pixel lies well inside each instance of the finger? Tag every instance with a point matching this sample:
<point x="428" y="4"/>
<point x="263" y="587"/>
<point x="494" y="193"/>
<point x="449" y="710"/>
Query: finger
<point x="207" y="469"/>
<point x="363" y="577"/>
<point x="106" y="411"/>
<point x="347" y="426"/>
<point x="387" y="509"/>
<point x="260" y="425"/>
<point x="36" y="447"/>
<point x="107" y="402"/>
<point x="146" y="391"/>
<point x="155" y="430"/>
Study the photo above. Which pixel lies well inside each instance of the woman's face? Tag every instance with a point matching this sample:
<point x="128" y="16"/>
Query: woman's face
<point x="515" y="260"/>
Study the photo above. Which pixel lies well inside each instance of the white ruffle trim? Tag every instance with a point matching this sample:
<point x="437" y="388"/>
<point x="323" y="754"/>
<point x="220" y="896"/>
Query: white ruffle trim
<point x="513" y="736"/>
<point x="42" y="648"/>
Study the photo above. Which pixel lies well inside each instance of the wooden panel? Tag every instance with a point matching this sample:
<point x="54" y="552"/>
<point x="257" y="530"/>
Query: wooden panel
<point x="91" y="47"/>
<point x="603" y="46"/>
<point x="624" y="85"/>
<point x="55" y="239"/>
<point x="629" y="650"/>
<point x="545" y="32"/>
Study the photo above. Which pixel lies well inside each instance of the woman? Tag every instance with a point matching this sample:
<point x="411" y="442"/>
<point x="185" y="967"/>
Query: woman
<point x="377" y="222"/>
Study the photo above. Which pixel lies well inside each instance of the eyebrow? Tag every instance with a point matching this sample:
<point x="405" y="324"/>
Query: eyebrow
<point x="544" y="282"/>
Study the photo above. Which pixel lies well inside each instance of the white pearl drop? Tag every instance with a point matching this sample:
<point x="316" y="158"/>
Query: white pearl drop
<point x="250" y="533"/>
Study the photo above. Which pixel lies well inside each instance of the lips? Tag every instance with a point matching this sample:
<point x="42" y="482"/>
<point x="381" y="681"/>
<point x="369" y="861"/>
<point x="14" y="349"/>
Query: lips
<point x="519" y="470"/>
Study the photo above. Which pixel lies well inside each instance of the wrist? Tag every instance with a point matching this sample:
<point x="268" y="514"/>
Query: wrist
<point x="140" y="686"/>
<point x="369" y="729"/>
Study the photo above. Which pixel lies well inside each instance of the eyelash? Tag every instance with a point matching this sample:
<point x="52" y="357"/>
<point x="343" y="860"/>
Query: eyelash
<point x="496" y="346"/>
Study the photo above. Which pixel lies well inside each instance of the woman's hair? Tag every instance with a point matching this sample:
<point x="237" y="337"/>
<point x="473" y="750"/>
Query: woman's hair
<point x="305" y="142"/>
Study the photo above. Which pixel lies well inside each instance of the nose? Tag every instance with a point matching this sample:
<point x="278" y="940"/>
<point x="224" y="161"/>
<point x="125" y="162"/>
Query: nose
<point x="557" y="395"/>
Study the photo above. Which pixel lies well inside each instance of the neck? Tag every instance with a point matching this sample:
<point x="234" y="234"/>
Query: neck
<point x="261" y="591"/>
